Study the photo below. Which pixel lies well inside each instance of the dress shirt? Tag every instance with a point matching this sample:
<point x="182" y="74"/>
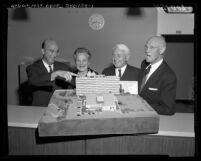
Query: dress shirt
<point x="47" y="66"/>
<point x="122" y="70"/>
<point x="153" y="68"/>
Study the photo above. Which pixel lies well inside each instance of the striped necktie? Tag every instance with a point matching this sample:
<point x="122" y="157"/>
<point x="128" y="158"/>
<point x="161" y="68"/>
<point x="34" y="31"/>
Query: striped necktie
<point x="146" y="72"/>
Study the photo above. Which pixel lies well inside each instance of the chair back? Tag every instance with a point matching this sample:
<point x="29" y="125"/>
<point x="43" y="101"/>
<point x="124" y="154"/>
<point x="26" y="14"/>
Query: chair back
<point x="24" y="89"/>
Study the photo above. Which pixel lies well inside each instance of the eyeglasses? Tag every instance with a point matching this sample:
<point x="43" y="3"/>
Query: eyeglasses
<point x="150" y="47"/>
<point x="53" y="51"/>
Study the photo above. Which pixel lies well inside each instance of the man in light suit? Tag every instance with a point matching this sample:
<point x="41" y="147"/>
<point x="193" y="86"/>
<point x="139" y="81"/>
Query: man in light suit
<point x="120" y="67"/>
<point x="46" y="75"/>
<point x="157" y="81"/>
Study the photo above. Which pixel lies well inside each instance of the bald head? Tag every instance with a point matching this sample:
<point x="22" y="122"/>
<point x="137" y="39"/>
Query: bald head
<point x="158" y="41"/>
<point x="48" y="42"/>
<point x="154" y="49"/>
<point x="50" y="51"/>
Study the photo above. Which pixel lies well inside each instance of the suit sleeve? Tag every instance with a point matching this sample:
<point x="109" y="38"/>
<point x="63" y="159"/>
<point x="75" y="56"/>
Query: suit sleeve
<point x="104" y="72"/>
<point x="167" y="96"/>
<point x="37" y="78"/>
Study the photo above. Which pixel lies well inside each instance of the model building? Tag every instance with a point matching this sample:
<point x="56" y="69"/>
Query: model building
<point x="106" y="101"/>
<point x="97" y="84"/>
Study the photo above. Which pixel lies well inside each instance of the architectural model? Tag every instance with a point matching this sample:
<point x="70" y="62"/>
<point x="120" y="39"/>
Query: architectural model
<point x="97" y="84"/>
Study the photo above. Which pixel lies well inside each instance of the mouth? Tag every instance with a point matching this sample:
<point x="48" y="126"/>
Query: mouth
<point x="82" y="67"/>
<point x="147" y="55"/>
<point x="116" y="62"/>
<point x="51" y="60"/>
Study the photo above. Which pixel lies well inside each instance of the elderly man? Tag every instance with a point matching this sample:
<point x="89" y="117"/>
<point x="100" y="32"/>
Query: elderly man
<point x="157" y="81"/>
<point x="43" y="74"/>
<point x="120" y="67"/>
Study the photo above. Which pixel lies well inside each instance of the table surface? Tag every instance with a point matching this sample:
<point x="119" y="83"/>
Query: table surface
<point x="179" y="124"/>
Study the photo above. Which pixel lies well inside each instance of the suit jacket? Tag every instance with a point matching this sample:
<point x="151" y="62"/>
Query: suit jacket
<point x="160" y="89"/>
<point x="40" y="80"/>
<point x="130" y="74"/>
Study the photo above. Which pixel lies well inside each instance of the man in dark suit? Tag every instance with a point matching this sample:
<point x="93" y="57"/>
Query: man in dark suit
<point x="46" y="75"/>
<point x="157" y="81"/>
<point x="120" y="67"/>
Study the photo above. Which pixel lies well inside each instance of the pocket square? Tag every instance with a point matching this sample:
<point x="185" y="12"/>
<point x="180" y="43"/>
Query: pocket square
<point x="153" y="89"/>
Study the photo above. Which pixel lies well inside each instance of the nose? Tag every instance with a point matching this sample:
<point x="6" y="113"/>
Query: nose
<point x="55" y="53"/>
<point x="116" y="58"/>
<point x="146" y="49"/>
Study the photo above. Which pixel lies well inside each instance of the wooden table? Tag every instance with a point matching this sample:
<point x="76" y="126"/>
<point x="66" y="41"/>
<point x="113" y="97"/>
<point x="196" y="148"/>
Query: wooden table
<point x="176" y="137"/>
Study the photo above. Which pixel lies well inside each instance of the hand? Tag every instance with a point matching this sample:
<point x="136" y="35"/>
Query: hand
<point x="89" y="74"/>
<point x="68" y="75"/>
<point x="64" y="74"/>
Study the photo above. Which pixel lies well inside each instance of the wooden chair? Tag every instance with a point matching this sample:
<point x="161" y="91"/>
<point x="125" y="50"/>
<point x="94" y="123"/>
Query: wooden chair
<point x="24" y="90"/>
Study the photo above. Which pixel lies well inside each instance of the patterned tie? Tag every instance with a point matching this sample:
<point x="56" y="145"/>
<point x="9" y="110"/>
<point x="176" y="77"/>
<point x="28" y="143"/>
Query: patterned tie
<point x="50" y="68"/>
<point x="119" y="73"/>
<point x="146" y="72"/>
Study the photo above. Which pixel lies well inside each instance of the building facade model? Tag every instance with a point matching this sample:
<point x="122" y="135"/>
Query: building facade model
<point x="105" y="101"/>
<point x="99" y="91"/>
<point x="97" y="84"/>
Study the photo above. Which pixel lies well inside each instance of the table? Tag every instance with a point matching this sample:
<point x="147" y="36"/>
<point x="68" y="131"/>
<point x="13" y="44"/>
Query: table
<point x="176" y="137"/>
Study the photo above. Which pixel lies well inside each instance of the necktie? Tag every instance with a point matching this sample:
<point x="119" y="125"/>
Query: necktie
<point x="119" y="73"/>
<point x="50" y="68"/>
<point x="145" y="77"/>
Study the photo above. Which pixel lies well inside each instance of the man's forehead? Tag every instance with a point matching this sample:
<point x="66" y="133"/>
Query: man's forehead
<point x="119" y="52"/>
<point x="50" y="43"/>
<point x="155" y="40"/>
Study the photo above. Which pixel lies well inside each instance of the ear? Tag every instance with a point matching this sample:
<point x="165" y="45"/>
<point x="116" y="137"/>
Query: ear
<point x="43" y="51"/>
<point x="162" y="50"/>
<point x="127" y="57"/>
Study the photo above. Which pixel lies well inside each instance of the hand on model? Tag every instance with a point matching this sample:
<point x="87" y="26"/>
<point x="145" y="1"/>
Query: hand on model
<point x="64" y="74"/>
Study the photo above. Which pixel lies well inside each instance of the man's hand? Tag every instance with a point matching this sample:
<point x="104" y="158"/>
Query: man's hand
<point x="68" y="75"/>
<point x="64" y="74"/>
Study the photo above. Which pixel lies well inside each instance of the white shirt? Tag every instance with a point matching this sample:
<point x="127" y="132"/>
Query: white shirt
<point x="153" y="68"/>
<point x="47" y="66"/>
<point x="122" y="70"/>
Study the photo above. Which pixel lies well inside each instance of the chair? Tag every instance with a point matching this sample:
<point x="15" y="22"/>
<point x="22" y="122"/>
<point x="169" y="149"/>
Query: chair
<point x="24" y="90"/>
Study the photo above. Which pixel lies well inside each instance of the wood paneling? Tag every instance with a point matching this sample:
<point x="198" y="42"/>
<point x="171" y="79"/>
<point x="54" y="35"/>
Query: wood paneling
<point x="25" y="141"/>
<point x="142" y="144"/>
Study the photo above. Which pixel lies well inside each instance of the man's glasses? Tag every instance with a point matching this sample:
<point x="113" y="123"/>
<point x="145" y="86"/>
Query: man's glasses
<point x="150" y="47"/>
<point x="53" y="51"/>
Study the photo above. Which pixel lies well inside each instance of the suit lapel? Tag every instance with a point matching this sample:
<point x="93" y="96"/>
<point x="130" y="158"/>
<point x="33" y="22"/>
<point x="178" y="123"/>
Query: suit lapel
<point x="142" y="73"/>
<point x="41" y="65"/>
<point x="113" y="71"/>
<point x="126" y="73"/>
<point x="155" y="75"/>
<point x="55" y="66"/>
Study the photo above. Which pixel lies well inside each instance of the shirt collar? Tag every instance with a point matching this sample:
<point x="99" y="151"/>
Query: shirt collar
<point x="47" y="65"/>
<point x="122" y="69"/>
<point x="156" y="65"/>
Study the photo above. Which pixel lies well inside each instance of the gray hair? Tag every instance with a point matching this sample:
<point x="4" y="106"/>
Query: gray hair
<point x="123" y="48"/>
<point x="81" y="50"/>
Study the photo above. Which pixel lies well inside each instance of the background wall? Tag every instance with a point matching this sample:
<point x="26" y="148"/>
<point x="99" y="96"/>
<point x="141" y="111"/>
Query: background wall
<point x="69" y="27"/>
<point x="180" y="56"/>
